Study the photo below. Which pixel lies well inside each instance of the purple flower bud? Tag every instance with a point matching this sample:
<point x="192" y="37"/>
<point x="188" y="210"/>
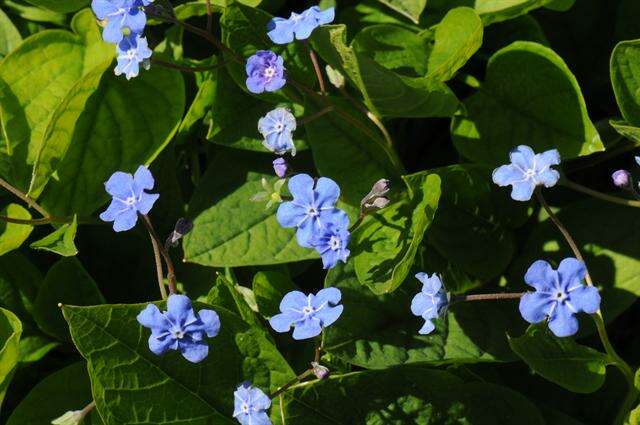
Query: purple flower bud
<point x="375" y="199"/>
<point x="182" y="227"/>
<point x="621" y="178"/>
<point x="381" y="187"/>
<point x="320" y="371"/>
<point x="280" y="167"/>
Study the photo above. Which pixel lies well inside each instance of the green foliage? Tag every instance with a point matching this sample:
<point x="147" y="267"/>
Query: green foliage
<point x="12" y="235"/>
<point x="61" y="241"/>
<point x="10" y="331"/>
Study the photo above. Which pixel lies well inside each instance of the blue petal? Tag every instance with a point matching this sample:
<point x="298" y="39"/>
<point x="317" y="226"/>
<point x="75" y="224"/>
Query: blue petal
<point x="306" y="232"/>
<point x="135" y="21"/>
<point x="258" y="418"/>
<point x="259" y="399"/>
<point x="179" y="310"/>
<point x="548" y="178"/>
<point x="125" y="221"/>
<point x="572" y="271"/>
<point x="255" y="85"/>
<point x="210" y="322"/>
<point x="119" y="185"/>
<point x="506" y="175"/>
<point x="290" y="215"/>
<point x="541" y="276"/>
<point x="151" y="317"/>
<point x="143" y="178"/>
<point x="563" y="322"/>
<point x="274" y="84"/>
<point x="103" y="8"/>
<point x="146" y="202"/>
<point x="585" y="298"/>
<point x="195" y="352"/>
<point x="282" y="322"/>
<point x="280" y="30"/>
<point x="295" y="300"/>
<point x="306" y="329"/>
<point x="305" y="25"/>
<point x="301" y="188"/>
<point x="547" y="159"/>
<point x="523" y="157"/>
<point x="159" y="346"/>
<point x="427" y="328"/>
<point x="421" y="303"/>
<point x="328" y="315"/>
<point x="324" y="16"/>
<point x="331" y="296"/>
<point x="534" y="307"/>
<point x="115" y="208"/>
<point x="430" y="285"/>
<point x="522" y="191"/>
<point x="112" y="32"/>
<point x="329" y="257"/>
<point x="327" y="192"/>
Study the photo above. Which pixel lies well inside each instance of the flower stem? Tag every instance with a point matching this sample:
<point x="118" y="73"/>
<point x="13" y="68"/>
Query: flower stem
<point x="35" y="221"/>
<point x="88" y="408"/>
<point x="603" y="196"/>
<point x="20" y="194"/>
<point x="312" y="117"/>
<point x="372" y="117"/>
<point x="316" y="67"/>
<point x="171" y="275"/>
<point x="357" y="223"/>
<point x="192" y="69"/>
<point x="289" y="384"/>
<point x="209" y="16"/>
<point x="617" y="361"/>
<point x="485" y="297"/>
<point x="158" y="260"/>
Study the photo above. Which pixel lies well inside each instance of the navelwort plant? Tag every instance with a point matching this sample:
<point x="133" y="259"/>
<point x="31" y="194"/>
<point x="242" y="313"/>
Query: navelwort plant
<point x="401" y="271"/>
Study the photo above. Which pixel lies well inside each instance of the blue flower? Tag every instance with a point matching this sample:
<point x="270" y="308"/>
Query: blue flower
<point x="277" y="127"/>
<point x="431" y="302"/>
<point x="265" y="72"/>
<point x="308" y="314"/>
<point x="132" y="51"/>
<point x="251" y="405"/>
<point x="180" y="328"/>
<point x="560" y="294"/>
<point x="621" y="178"/>
<point x="331" y="242"/>
<point x="300" y="26"/>
<point x="129" y="198"/>
<point x="526" y="171"/>
<point x="122" y="17"/>
<point x="312" y="208"/>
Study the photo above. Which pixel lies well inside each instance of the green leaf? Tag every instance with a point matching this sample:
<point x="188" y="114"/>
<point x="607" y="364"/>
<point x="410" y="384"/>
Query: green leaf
<point x="66" y="389"/>
<point x="125" y="375"/>
<point x="61" y="6"/>
<point x="118" y="129"/>
<point x="412" y="9"/>
<point x="627" y="130"/>
<point x="35" y="347"/>
<point x="269" y="287"/>
<point x="378" y="332"/>
<point x="385" y="247"/>
<point x="562" y="361"/>
<point x="229" y="229"/>
<point x="625" y="68"/>
<point x="10" y="331"/>
<point x="342" y="141"/>
<point x="409" y="395"/>
<point x="67" y="282"/>
<point x="61" y="241"/>
<point x="491" y="11"/>
<point x="12" y="235"/>
<point x="37" y="76"/>
<point x="529" y="94"/>
<point x="35" y="14"/>
<point x="19" y="283"/>
<point x="10" y="38"/>
<point x="229" y="295"/>
<point x="386" y="93"/>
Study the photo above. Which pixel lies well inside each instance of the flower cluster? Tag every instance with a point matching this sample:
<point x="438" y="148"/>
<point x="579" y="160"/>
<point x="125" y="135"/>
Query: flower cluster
<point x="431" y="302"/>
<point x="298" y="26"/>
<point x="124" y="22"/>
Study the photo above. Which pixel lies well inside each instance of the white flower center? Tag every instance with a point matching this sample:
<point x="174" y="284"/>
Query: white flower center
<point x="130" y="200"/>
<point x="334" y="243"/>
<point x="312" y="211"/>
<point x="245" y="407"/>
<point x="307" y="309"/>
<point x="269" y="72"/>
<point x="529" y="173"/>
<point x="178" y="334"/>
<point x="279" y="127"/>
<point x="560" y="295"/>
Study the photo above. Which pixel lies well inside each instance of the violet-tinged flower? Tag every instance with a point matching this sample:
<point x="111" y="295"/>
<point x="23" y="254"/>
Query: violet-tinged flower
<point x="526" y="171"/>
<point x="321" y="372"/>
<point x="299" y="26"/>
<point x="560" y="294"/>
<point x="431" y="302"/>
<point x="280" y="167"/>
<point x="129" y="198"/>
<point x="265" y="72"/>
<point x="277" y="128"/>
<point x="308" y="314"/>
<point x="132" y="51"/>
<point x="180" y="328"/>
<point x="376" y="198"/>
<point x="621" y="178"/>
<point x="331" y="242"/>
<point x="122" y="17"/>
<point x="312" y="208"/>
<point x="250" y="405"/>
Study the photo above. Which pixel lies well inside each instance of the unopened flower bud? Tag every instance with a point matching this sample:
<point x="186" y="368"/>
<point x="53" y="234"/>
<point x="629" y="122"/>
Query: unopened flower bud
<point x="381" y="187"/>
<point x="621" y="178"/>
<point x="335" y="77"/>
<point x="72" y="417"/>
<point x="182" y="227"/>
<point x="280" y="167"/>
<point x="320" y="371"/>
<point x="376" y="198"/>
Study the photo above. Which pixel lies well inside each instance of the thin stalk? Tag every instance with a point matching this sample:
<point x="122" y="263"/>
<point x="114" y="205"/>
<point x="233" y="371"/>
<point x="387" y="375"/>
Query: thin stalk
<point x="485" y="297"/>
<point x="281" y="398"/>
<point x="20" y="194"/>
<point x="171" y="275"/>
<point x="357" y="223"/>
<point x="289" y="384"/>
<point x="372" y="117"/>
<point x="312" y="117"/>
<point x="316" y="68"/>
<point x="88" y="408"/>
<point x="209" y="16"/>
<point x="191" y="69"/>
<point x="617" y="361"/>
<point x="158" y="260"/>
<point x="605" y="197"/>
<point x="35" y="221"/>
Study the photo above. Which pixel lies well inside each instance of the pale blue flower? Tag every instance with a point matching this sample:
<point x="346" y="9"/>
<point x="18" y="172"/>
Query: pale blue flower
<point x="180" y="328"/>
<point x="560" y="294"/>
<point x="526" y="171"/>
<point x="132" y="51"/>
<point x="129" y="198"/>
<point x="265" y="72"/>
<point x="250" y="405"/>
<point x="299" y="26"/>
<point x="307" y="314"/>
<point x="277" y="128"/>
<point x="621" y="178"/>
<point x="122" y="17"/>
<point x="431" y="302"/>
<point x="332" y="241"/>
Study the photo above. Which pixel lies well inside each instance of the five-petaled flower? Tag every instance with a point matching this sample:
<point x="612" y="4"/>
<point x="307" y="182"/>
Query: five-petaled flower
<point x="526" y="171"/>
<point x="308" y="314"/>
<point x="299" y="26"/>
<point x="122" y="17"/>
<point x="129" y="198"/>
<point x="277" y="127"/>
<point x="251" y="405"/>
<point x="132" y="51"/>
<point x="331" y="241"/>
<point x="180" y="328"/>
<point x="265" y="72"/>
<point x="431" y="302"/>
<point x="560" y="294"/>
<point x="312" y="208"/>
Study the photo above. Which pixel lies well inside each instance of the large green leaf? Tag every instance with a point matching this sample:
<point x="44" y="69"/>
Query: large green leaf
<point x="573" y="366"/>
<point x="409" y="8"/>
<point x="529" y="96"/>
<point x="125" y="375"/>
<point x="384" y="249"/>
<point x="117" y="129"/>
<point x="406" y="395"/>
<point x="35" y="347"/>
<point x="10" y="331"/>
<point x="62" y="6"/>
<point x="12" y="235"/>
<point x="625" y="79"/>
<point x="377" y="332"/>
<point x="385" y="92"/>
<point x="61" y="241"/>
<point x="490" y="11"/>
<point x="229" y="229"/>
<point x="67" y="389"/>
<point x="37" y="76"/>
<point x="269" y="287"/>
<point x="10" y="38"/>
